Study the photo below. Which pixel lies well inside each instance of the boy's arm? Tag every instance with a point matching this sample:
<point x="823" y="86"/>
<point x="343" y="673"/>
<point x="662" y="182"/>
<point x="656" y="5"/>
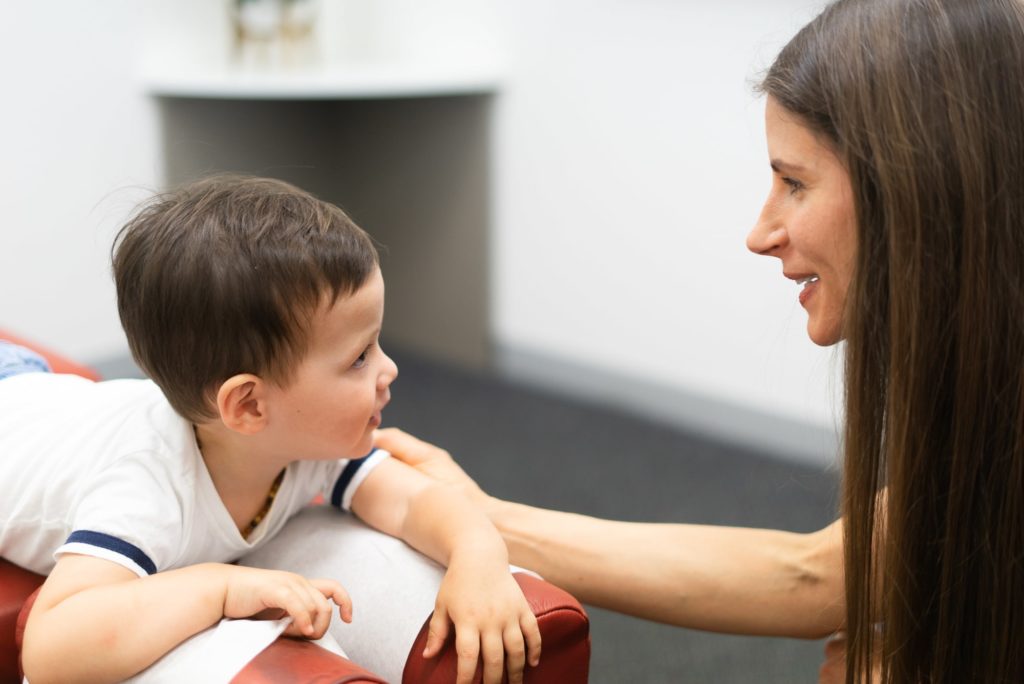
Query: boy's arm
<point x="478" y="594"/>
<point x="96" y="621"/>
<point x="431" y="517"/>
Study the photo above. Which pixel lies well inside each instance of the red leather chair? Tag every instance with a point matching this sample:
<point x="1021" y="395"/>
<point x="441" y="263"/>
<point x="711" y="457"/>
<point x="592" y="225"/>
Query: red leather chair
<point x="564" y="626"/>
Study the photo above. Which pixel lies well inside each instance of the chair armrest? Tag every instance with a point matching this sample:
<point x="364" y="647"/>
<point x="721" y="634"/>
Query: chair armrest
<point x="564" y="626"/>
<point x="565" y="642"/>
<point x="16" y="586"/>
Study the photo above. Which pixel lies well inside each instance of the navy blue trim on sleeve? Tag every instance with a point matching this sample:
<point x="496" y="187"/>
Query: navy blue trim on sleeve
<point x="345" y="478"/>
<point x="119" y="546"/>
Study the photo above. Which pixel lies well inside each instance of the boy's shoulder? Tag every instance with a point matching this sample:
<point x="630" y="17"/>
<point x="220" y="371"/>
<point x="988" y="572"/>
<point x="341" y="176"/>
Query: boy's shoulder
<point x="51" y="409"/>
<point x="109" y="457"/>
<point x="74" y="397"/>
<point x="45" y="381"/>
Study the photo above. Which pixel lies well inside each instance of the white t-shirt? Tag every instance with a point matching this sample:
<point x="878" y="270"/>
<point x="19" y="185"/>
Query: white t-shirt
<point x="110" y="470"/>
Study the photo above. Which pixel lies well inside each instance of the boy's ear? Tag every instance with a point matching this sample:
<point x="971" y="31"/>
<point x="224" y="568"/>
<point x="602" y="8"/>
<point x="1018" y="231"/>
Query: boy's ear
<point x="242" y="403"/>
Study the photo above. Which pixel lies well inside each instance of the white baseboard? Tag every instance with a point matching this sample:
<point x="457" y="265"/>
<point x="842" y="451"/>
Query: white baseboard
<point x="780" y="437"/>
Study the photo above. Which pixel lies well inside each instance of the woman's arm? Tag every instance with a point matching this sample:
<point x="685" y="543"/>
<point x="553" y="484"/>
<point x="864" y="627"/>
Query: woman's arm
<point x="722" y="579"/>
<point x="736" y="580"/>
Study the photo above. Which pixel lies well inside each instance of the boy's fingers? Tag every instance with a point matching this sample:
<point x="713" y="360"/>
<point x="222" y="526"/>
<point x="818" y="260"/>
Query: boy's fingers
<point x="493" y="655"/>
<point x="334" y="591"/>
<point x="299" y="607"/>
<point x="320" y="615"/>
<point x="321" y="621"/>
<point x="515" y="653"/>
<point x="310" y="603"/>
<point x="467" y="648"/>
<point x="531" y="635"/>
<point x="437" y="633"/>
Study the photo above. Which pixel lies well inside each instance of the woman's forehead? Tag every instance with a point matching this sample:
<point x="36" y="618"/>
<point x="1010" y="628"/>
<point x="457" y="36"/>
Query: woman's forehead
<point x="793" y="146"/>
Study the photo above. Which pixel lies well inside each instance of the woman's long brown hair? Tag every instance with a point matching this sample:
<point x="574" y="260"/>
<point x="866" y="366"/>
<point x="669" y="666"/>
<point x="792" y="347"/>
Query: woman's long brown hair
<point x="923" y="100"/>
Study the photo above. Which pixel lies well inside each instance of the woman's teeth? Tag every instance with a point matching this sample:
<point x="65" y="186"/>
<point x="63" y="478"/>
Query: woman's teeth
<point x="808" y="279"/>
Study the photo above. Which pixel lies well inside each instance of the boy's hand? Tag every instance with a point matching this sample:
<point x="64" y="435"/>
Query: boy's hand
<point x="251" y="591"/>
<point x="492" y="620"/>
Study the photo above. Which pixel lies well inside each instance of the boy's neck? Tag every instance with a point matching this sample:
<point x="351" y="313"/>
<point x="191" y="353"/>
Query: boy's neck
<point x="242" y="475"/>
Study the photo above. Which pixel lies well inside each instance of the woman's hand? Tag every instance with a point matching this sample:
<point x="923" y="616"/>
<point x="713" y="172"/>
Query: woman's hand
<point x="833" y="670"/>
<point x="493" y="622"/>
<point x="253" y="592"/>
<point x="432" y="461"/>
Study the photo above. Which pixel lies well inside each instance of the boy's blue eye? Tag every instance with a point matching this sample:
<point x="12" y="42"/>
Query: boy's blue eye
<point x="361" y="361"/>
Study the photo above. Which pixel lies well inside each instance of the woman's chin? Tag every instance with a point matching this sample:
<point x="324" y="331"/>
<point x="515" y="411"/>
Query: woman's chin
<point x="823" y="334"/>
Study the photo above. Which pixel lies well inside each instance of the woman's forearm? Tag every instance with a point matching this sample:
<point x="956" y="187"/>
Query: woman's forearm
<point x="724" y="579"/>
<point x="736" y="580"/>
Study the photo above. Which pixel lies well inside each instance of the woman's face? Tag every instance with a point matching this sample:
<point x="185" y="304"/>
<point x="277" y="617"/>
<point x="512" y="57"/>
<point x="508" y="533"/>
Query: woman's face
<point x="808" y="221"/>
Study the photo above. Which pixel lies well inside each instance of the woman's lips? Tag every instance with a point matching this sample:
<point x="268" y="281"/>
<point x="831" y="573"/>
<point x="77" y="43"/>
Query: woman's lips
<point x="808" y="290"/>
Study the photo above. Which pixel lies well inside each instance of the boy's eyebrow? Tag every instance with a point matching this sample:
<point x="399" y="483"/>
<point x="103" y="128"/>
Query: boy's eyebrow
<point x="370" y="337"/>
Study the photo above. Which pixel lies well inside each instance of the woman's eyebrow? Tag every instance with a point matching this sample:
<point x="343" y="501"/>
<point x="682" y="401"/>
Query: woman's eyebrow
<point x="785" y="167"/>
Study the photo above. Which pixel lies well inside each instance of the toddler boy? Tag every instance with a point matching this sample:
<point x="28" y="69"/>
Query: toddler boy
<point x="255" y="309"/>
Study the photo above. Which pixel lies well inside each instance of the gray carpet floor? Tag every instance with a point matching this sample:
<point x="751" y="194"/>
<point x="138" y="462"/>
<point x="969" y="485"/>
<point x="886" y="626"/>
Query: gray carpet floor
<point x="526" y="445"/>
<point x="529" y="446"/>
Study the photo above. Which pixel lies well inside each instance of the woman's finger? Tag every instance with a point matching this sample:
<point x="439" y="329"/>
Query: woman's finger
<point x="833" y="669"/>
<point x="404" y="446"/>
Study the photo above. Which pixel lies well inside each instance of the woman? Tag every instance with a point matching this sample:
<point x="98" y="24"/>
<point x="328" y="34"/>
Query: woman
<point x="896" y="139"/>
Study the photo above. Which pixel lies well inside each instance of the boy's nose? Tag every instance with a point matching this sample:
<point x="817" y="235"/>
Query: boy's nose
<point x="388" y="373"/>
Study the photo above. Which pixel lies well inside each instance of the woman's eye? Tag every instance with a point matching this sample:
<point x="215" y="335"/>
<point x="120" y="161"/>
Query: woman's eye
<point x="794" y="185"/>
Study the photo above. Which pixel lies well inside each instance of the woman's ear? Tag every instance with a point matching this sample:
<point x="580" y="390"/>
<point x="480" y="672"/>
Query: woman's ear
<point x="242" y="403"/>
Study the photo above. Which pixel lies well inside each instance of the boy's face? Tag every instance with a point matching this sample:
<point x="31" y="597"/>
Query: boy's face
<point x="334" y="400"/>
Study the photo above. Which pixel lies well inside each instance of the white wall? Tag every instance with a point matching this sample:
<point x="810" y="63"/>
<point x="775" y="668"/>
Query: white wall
<point x="629" y="165"/>
<point x="633" y="164"/>
<point x="78" y="141"/>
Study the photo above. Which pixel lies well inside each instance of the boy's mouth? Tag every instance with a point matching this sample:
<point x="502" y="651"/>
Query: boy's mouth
<point x="377" y="417"/>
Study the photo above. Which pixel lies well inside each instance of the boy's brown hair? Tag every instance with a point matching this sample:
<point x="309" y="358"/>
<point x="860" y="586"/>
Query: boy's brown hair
<point x="222" y="276"/>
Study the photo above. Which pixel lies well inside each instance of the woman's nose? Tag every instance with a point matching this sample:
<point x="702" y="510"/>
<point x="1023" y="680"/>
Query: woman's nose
<point x="768" y="235"/>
